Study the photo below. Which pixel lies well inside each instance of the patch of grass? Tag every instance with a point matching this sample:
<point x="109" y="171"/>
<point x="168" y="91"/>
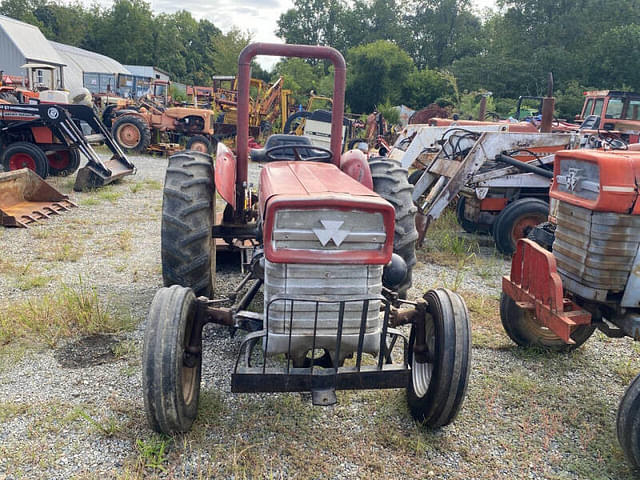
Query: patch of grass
<point x="152" y="453"/>
<point x="68" y="312"/>
<point x="66" y="251"/>
<point x="90" y="202"/>
<point x="145" y="184"/>
<point x="108" y="426"/>
<point x="125" y="349"/>
<point x="487" y="331"/>
<point x="27" y="282"/>
<point x="110" y="195"/>
<point x="626" y="369"/>
<point x="124" y="240"/>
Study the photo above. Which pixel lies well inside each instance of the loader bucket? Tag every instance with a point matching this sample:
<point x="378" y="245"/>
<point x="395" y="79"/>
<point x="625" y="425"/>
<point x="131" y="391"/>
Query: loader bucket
<point x="25" y="198"/>
<point x="93" y="176"/>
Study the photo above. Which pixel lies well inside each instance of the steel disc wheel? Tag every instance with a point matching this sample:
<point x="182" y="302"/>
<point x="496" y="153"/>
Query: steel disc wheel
<point x="421" y="373"/>
<point x="22" y="160"/>
<point x="516" y="221"/>
<point x="128" y="135"/>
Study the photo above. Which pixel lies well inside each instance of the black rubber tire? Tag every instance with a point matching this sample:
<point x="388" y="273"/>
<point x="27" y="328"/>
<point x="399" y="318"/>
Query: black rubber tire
<point x="628" y="423"/>
<point x="144" y="132"/>
<point x="391" y="183"/>
<point x="467" y="225"/>
<point x="199" y="139"/>
<point x="292" y="118"/>
<point x="38" y="160"/>
<point x="521" y="327"/>
<point x="171" y="388"/>
<point x="507" y="227"/>
<point x="188" y="211"/>
<point x="449" y="340"/>
<point x="415" y="176"/>
<point x="70" y="168"/>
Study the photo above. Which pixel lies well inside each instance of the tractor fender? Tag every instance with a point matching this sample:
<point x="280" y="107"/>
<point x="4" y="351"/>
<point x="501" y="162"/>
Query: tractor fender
<point x="354" y="163"/>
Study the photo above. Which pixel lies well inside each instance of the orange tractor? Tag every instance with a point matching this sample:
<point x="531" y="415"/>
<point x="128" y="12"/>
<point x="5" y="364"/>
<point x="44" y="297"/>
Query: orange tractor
<point x="137" y="127"/>
<point x="581" y="270"/>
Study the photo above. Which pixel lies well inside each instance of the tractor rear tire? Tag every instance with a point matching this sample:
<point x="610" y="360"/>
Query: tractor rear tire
<point x="390" y="182"/>
<point x="522" y="327"/>
<point x="199" y="143"/>
<point x="516" y="221"/>
<point x="628" y="423"/>
<point x="188" y="249"/>
<point x="63" y="162"/>
<point x="468" y="226"/>
<point x="131" y="133"/>
<point x="25" y="155"/>
<point x="437" y="389"/>
<point x="170" y="375"/>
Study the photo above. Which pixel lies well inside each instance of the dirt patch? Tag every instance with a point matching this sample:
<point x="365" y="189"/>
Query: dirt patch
<point x="87" y="351"/>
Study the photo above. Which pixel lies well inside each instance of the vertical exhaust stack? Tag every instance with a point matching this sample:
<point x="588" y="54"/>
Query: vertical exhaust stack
<point x="548" y="105"/>
<point x="25" y="198"/>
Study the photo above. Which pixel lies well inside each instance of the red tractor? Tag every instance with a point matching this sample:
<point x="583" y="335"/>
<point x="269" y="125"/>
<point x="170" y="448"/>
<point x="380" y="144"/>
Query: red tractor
<point x="581" y="270"/>
<point x="334" y="244"/>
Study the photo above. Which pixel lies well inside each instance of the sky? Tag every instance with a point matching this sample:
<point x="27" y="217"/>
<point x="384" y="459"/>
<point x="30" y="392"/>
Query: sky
<point x="256" y="16"/>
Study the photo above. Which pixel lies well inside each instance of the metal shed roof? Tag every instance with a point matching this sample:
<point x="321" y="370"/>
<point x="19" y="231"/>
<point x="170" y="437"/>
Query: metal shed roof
<point x="30" y="41"/>
<point x="87" y="61"/>
<point x="80" y="61"/>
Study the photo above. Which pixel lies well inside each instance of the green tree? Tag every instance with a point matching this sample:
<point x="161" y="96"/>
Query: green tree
<point x="377" y="73"/>
<point x="227" y="48"/>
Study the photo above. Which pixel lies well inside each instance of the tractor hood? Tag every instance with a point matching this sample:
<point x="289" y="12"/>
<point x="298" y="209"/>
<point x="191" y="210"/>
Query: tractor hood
<point x="311" y="180"/>
<point x="315" y="213"/>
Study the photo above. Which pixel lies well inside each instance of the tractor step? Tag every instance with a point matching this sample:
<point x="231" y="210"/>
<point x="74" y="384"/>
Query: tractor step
<point x="25" y="198"/>
<point x="534" y="284"/>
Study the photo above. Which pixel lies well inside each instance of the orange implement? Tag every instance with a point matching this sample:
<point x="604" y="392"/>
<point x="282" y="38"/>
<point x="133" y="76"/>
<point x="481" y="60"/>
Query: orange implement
<point x="25" y="198"/>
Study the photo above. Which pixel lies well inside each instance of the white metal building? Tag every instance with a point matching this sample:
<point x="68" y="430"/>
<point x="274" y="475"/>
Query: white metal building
<point x="154" y="73"/>
<point x="98" y="73"/>
<point x="21" y="43"/>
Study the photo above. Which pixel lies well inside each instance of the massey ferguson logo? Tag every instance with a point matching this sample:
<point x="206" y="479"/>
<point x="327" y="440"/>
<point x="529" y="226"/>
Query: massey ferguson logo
<point x="53" y="113"/>
<point x="331" y="231"/>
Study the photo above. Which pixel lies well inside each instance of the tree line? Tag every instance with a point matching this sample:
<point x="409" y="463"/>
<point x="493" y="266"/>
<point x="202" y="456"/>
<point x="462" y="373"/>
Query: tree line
<point x="414" y="52"/>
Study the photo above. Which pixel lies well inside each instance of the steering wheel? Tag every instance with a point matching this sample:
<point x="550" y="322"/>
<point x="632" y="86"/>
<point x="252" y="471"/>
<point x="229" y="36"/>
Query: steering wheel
<point x="325" y="155"/>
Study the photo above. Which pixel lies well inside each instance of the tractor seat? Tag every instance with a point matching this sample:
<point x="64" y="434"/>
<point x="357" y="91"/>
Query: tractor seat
<point x="258" y="154"/>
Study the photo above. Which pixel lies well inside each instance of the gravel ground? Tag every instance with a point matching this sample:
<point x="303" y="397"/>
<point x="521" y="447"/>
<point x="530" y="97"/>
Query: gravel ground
<point x="72" y="408"/>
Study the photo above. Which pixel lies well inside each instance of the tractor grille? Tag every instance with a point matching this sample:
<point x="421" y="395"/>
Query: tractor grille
<point x="333" y="283"/>
<point x="323" y="229"/>
<point x="596" y="249"/>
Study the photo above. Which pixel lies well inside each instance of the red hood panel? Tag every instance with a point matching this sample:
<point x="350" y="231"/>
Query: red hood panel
<point x="307" y="179"/>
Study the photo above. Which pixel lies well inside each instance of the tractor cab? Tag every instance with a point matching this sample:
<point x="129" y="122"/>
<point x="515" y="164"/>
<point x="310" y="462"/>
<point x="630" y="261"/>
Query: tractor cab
<point x="616" y="112"/>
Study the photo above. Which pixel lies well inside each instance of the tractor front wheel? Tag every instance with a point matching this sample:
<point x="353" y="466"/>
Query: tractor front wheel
<point x="199" y="143"/>
<point x="25" y="155"/>
<point x="628" y="423"/>
<point x="521" y="327"/>
<point x="172" y="364"/>
<point x="516" y="221"/>
<point x="439" y="381"/>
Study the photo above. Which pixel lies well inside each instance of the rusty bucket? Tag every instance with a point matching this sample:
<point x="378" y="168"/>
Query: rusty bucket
<point x="25" y="198"/>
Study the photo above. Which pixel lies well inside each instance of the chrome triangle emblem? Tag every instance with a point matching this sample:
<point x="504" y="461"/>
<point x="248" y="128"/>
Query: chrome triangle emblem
<point x="331" y="231"/>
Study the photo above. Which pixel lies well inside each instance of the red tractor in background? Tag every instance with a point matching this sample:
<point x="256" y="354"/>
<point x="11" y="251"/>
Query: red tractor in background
<point x="581" y="270"/>
<point x="616" y="113"/>
<point x="334" y="240"/>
